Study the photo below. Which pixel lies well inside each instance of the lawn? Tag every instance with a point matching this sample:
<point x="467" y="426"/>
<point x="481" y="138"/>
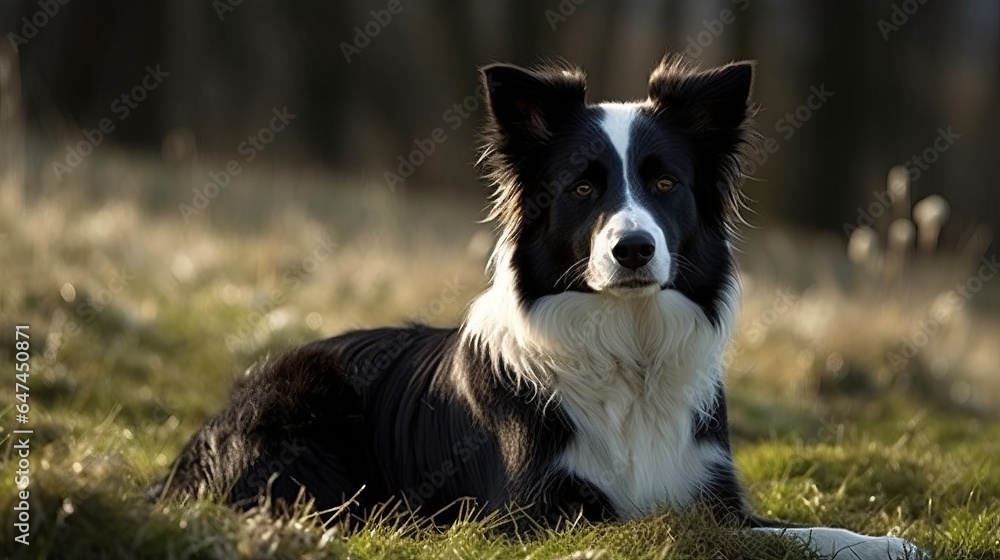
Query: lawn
<point x="140" y="320"/>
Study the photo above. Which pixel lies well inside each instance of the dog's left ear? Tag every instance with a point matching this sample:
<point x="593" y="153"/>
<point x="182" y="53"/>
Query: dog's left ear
<point x="716" y="99"/>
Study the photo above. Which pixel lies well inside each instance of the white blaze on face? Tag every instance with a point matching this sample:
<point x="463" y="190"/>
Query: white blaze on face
<point x="603" y="270"/>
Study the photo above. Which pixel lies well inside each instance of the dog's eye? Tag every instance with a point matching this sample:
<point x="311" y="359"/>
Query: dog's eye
<point x="665" y="184"/>
<point x="583" y="190"/>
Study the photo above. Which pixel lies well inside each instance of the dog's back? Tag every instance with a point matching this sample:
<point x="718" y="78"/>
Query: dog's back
<point x="304" y="420"/>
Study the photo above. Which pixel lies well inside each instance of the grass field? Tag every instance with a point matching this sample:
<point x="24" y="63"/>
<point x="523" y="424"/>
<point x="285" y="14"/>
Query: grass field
<point x="140" y="321"/>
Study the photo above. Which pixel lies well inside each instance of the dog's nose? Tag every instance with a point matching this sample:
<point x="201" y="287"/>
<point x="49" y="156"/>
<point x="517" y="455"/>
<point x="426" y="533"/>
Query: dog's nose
<point x="634" y="249"/>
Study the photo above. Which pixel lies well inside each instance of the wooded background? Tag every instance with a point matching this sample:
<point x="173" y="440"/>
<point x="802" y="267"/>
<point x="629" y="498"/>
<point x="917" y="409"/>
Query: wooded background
<point x="898" y="72"/>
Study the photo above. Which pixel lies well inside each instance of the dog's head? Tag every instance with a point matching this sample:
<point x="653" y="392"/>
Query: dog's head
<point x="622" y="198"/>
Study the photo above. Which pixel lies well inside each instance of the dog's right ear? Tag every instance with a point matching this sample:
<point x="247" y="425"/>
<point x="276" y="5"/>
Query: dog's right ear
<point x="527" y="107"/>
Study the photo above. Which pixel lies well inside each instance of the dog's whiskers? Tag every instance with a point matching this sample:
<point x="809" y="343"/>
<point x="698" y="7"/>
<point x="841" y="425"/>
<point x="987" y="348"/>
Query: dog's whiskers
<point x="573" y="269"/>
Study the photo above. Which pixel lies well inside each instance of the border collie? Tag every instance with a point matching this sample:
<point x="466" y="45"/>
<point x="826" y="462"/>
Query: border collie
<point x="587" y="379"/>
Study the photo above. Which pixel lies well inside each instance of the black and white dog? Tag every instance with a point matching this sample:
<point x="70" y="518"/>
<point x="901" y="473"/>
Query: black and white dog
<point x="587" y="379"/>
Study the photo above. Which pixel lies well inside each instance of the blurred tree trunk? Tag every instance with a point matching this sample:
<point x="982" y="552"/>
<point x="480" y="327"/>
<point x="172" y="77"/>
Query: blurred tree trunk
<point x="12" y="153"/>
<point x="820" y="192"/>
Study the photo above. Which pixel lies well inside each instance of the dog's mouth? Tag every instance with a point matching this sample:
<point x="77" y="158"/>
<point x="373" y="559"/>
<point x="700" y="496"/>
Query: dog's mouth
<point x="633" y="287"/>
<point x="632" y="284"/>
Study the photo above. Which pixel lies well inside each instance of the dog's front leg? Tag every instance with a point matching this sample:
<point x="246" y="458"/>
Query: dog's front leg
<point x="841" y="544"/>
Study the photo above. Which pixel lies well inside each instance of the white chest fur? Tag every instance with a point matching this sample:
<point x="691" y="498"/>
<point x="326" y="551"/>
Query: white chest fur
<point x="630" y="374"/>
<point x="635" y="446"/>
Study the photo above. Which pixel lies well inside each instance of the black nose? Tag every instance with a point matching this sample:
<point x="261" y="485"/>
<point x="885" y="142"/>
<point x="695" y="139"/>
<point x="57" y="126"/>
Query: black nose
<point x="634" y="249"/>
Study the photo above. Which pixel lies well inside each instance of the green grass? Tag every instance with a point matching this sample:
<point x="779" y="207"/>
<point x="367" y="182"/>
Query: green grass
<point x="826" y="432"/>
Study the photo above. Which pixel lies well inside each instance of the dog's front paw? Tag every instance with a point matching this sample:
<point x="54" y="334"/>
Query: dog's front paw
<point x="902" y="549"/>
<point x="841" y="544"/>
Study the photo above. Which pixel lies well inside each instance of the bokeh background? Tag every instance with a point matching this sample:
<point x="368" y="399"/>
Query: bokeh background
<point x="895" y="78"/>
<point x="186" y="186"/>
